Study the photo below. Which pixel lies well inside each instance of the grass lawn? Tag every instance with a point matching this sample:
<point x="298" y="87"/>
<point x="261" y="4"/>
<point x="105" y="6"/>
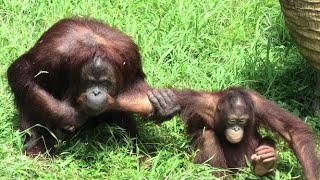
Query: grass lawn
<point x="204" y="45"/>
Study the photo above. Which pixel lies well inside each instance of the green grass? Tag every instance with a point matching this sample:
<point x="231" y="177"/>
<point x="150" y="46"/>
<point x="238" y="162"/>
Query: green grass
<point x="184" y="44"/>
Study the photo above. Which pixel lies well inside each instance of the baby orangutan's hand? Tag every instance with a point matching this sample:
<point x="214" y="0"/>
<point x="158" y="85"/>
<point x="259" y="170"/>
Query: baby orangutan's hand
<point x="264" y="159"/>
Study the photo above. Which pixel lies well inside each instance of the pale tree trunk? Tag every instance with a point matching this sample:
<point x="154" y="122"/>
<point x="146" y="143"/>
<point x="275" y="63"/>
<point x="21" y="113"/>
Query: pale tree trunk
<point x="303" y="21"/>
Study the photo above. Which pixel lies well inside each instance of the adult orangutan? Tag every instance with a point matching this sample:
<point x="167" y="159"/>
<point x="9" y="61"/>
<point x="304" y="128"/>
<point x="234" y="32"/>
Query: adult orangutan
<point x="75" y="73"/>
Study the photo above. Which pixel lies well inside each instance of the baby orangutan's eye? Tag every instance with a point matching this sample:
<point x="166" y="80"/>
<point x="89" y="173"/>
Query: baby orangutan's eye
<point x="242" y="121"/>
<point x="232" y="121"/>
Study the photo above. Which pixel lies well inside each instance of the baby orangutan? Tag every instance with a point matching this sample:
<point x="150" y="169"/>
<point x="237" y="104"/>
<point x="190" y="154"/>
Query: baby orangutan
<point x="231" y="137"/>
<point x="223" y="126"/>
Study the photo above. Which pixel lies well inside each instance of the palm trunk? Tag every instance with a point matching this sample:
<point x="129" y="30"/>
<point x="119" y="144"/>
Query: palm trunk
<point x="303" y="21"/>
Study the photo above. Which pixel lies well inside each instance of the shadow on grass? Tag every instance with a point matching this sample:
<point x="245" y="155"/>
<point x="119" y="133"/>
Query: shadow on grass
<point x="290" y="86"/>
<point x="110" y="138"/>
<point x="278" y="71"/>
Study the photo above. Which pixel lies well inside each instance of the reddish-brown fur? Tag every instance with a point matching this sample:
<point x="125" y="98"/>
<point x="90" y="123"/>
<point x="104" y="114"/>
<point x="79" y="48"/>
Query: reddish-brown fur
<point x="199" y="113"/>
<point x="46" y="79"/>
